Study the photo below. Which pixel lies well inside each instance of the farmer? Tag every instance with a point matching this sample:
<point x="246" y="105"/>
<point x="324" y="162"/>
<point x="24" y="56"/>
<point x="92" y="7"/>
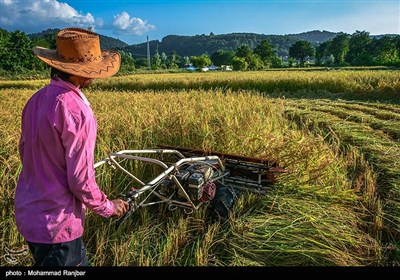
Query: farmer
<point x="57" y="181"/>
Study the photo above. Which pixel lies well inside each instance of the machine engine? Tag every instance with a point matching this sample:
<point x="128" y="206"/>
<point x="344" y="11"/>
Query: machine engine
<point x="196" y="180"/>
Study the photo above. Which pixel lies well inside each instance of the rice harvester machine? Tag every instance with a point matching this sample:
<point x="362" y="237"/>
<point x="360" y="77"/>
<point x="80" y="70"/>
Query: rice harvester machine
<point x="189" y="178"/>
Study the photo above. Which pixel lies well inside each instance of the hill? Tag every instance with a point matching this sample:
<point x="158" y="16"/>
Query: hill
<point x="200" y="44"/>
<point x="206" y="44"/>
<point x="106" y="42"/>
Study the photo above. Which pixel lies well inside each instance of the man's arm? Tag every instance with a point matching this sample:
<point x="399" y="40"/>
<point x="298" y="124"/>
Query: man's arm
<point x="78" y="137"/>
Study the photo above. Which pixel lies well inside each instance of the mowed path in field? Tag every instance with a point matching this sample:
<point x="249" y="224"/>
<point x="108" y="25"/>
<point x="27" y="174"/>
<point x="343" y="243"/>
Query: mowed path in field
<point x="374" y="129"/>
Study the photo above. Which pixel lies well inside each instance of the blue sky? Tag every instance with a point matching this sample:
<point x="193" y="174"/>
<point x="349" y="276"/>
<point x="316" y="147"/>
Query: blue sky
<point x="131" y="21"/>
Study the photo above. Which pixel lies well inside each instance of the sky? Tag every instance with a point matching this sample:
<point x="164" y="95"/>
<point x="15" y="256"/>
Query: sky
<point x="132" y="21"/>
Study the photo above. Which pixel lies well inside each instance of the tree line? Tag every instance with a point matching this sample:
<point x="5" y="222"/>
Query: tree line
<point x="358" y="49"/>
<point x="209" y="44"/>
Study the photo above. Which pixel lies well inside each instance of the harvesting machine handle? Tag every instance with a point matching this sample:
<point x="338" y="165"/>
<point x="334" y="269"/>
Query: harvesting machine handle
<point x="130" y="197"/>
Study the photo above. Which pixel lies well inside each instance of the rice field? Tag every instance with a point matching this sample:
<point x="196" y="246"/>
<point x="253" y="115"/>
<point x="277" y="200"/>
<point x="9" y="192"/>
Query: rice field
<point x="335" y="132"/>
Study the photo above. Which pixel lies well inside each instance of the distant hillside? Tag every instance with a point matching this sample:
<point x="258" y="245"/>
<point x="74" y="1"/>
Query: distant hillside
<point x="107" y="43"/>
<point x="45" y="33"/>
<point x="382" y="35"/>
<point x="316" y="36"/>
<point x="200" y="44"/>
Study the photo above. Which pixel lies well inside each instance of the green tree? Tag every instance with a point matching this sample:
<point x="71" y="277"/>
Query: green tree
<point x="127" y="62"/>
<point x="51" y="40"/>
<point x="359" y="45"/>
<point x="239" y="64"/>
<point x="321" y="53"/>
<point x="397" y="39"/>
<point x="222" y="57"/>
<point x="291" y="62"/>
<point x="267" y="52"/>
<point x="173" y="61"/>
<point x="265" y="49"/>
<point x="41" y="42"/>
<point x="276" y="62"/>
<point x="384" y="51"/>
<point x="20" y="52"/>
<point x="243" y="51"/>
<point x="164" y="60"/>
<point x="141" y="62"/>
<point x="339" y="47"/>
<point x="156" y="61"/>
<point x="301" y="50"/>
<point x="330" y="60"/>
<point x="201" y="61"/>
<point x="254" y="62"/>
<point x="5" y="59"/>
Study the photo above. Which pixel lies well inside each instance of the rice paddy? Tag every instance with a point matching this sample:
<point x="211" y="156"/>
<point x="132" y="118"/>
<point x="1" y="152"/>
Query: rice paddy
<point x="335" y="132"/>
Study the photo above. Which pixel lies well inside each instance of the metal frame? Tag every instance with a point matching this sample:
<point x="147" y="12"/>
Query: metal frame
<point x="235" y="171"/>
<point x="169" y="172"/>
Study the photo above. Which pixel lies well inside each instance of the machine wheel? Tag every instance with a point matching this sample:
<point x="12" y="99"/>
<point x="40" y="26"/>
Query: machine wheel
<point x="223" y="203"/>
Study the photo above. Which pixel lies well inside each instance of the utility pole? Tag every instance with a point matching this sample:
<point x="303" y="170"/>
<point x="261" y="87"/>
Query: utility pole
<point x="148" y="54"/>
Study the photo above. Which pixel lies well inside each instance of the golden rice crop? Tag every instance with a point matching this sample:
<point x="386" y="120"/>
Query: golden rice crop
<point x="326" y="210"/>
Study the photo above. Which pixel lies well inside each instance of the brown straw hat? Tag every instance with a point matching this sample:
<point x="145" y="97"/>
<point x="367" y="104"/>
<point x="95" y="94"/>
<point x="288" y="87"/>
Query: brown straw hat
<point x="78" y="53"/>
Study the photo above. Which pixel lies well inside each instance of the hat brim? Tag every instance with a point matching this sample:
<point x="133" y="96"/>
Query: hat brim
<point x="105" y="68"/>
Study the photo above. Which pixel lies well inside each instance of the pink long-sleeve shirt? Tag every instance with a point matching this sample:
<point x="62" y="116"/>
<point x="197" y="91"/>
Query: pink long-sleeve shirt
<point x="57" y="181"/>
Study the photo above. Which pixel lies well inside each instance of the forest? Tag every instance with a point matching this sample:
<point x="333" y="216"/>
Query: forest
<point x="357" y="49"/>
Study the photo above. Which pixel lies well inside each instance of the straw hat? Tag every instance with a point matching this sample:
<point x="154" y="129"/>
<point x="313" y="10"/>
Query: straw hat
<point x="78" y="53"/>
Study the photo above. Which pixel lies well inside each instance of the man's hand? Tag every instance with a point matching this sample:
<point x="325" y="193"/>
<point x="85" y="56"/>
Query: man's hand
<point x="121" y="206"/>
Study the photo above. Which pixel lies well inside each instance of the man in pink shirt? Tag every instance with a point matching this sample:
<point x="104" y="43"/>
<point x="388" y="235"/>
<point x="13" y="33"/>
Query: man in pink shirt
<point x="57" y="181"/>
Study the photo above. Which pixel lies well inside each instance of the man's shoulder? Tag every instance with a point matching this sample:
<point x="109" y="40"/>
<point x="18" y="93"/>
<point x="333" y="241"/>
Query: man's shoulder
<point x="67" y="96"/>
<point x="73" y="104"/>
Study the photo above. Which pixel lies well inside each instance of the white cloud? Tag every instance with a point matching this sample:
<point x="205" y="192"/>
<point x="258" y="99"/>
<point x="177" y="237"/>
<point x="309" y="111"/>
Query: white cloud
<point x="125" y="24"/>
<point x="6" y="2"/>
<point x="34" y="16"/>
<point x="99" y="22"/>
